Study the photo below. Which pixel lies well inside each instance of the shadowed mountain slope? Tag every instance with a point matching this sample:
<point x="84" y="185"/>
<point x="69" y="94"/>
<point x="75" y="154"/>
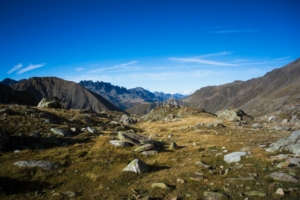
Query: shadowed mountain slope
<point x="71" y="94"/>
<point x="256" y="96"/>
<point x="126" y="98"/>
<point x="10" y="96"/>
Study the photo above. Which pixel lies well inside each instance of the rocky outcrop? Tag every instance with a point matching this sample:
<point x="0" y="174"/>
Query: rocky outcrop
<point x="233" y="115"/>
<point x="291" y="144"/>
<point x="50" y="102"/>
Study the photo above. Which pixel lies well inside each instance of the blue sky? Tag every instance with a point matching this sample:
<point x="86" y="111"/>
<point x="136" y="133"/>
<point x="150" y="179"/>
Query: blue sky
<point x="166" y="45"/>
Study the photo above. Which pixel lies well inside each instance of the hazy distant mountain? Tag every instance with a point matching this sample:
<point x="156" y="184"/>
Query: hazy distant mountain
<point x="256" y="96"/>
<point x="126" y="98"/>
<point x="71" y="94"/>
<point x="146" y="107"/>
<point x="10" y="96"/>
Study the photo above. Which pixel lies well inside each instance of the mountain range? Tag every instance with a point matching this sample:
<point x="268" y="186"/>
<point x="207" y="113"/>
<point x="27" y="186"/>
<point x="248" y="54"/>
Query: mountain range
<point x="257" y="96"/>
<point x="126" y="98"/>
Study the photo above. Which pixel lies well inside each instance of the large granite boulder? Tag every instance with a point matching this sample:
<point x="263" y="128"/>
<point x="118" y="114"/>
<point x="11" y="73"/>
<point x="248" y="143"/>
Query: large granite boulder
<point x="137" y="166"/>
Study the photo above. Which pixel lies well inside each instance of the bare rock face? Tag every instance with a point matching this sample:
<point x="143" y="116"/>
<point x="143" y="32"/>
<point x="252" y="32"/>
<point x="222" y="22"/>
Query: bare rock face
<point x="42" y="164"/>
<point x="3" y="138"/>
<point x="50" y="102"/>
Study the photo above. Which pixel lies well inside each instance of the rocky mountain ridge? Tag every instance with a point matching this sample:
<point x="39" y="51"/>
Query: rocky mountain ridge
<point x="126" y="98"/>
<point x="70" y="93"/>
<point x="257" y="96"/>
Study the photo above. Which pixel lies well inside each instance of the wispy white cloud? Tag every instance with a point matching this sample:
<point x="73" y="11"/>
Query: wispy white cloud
<point x="283" y="58"/>
<point x="235" y="31"/>
<point x="114" y="67"/>
<point x="30" y="67"/>
<point x="79" y="69"/>
<point x="201" y="61"/>
<point x="18" y="66"/>
<point x="215" y="54"/>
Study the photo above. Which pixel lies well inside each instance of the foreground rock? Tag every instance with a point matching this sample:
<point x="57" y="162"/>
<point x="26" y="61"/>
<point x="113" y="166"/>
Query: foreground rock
<point x="234" y="156"/>
<point x="60" y="132"/>
<point x="213" y="196"/>
<point x="233" y="115"/>
<point x="42" y="164"/>
<point x="50" y="102"/>
<point x="3" y="138"/>
<point x="127" y="119"/>
<point x="279" y="176"/>
<point x="136" y="166"/>
<point x="291" y="143"/>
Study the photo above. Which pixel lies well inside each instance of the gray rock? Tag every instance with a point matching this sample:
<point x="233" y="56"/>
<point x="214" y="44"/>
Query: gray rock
<point x="280" y="191"/>
<point x="173" y="146"/>
<point x="148" y="153"/>
<point x="289" y="143"/>
<point x="285" y="121"/>
<point x="293" y="162"/>
<point x="50" y="102"/>
<point x="255" y="193"/>
<point x="69" y="194"/>
<point x="234" y="156"/>
<point x="202" y="165"/>
<point x="213" y="196"/>
<point x="159" y="185"/>
<point x="279" y="176"/>
<point x="73" y="129"/>
<point x="271" y="119"/>
<point x="232" y="115"/>
<point x="133" y="138"/>
<point x="127" y="119"/>
<point x="144" y="147"/>
<point x="4" y="139"/>
<point x="60" y="132"/>
<point x="137" y="166"/>
<point x="118" y="143"/>
<point x="42" y="164"/>
<point x="91" y="130"/>
<point x="278" y="158"/>
<point x="257" y="125"/>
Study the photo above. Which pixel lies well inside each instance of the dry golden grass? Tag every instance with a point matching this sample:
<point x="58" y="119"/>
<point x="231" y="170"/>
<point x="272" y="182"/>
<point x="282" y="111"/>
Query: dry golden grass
<point x="93" y="168"/>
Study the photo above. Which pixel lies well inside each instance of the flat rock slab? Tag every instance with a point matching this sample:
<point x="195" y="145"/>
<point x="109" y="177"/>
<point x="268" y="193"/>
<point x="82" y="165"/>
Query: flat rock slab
<point x="144" y="147"/>
<point x="279" y="176"/>
<point x="213" y="196"/>
<point x="159" y="185"/>
<point x="42" y="164"/>
<point x="234" y="156"/>
<point x="60" y="132"/>
<point x="133" y="138"/>
<point x="255" y="193"/>
<point x="136" y="166"/>
<point x="118" y="143"/>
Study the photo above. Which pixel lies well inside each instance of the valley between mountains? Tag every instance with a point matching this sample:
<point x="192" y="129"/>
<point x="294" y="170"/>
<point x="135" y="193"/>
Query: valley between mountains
<point x="93" y="140"/>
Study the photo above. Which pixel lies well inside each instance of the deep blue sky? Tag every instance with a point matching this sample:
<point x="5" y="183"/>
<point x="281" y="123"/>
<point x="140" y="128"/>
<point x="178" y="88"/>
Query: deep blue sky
<point x="165" y="45"/>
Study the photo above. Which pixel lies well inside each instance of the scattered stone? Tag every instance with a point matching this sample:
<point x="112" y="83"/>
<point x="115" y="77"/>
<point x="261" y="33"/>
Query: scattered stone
<point x="137" y="166"/>
<point x="202" y="165"/>
<point x="234" y="157"/>
<point x="73" y="129"/>
<point x="213" y="196"/>
<point x="50" y="102"/>
<point x="293" y="162"/>
<point x="133" y="138"/>
<point x="159" y="185"/>
<point x="170" y="136"/>
<point x="173" y="146"/>
<point x="257" y="125"/>
<point x="60" y="132"/>
<point x="42" y="164"/>
<point x="118" y="143"/>
<point x="280" y="191"/>
<point x="197" y="176"/>
<point x="127" y="119"/>
<point x="291" y="143"/>
<point x="279" y="176"/>
<point x="278" y="158"/>
<point x="148" y="153"/>
<point x="4" y="139"/>
<point x="255" y="193"/>
<point x="271" y="119"/>
<point x="144" y="147"/>
<point x="69" y="194"/>
<point x="180" y="180"/>
<point x="91" y="130"/>
<point x="285" y="121"/>
<point x="232" y="115"/>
